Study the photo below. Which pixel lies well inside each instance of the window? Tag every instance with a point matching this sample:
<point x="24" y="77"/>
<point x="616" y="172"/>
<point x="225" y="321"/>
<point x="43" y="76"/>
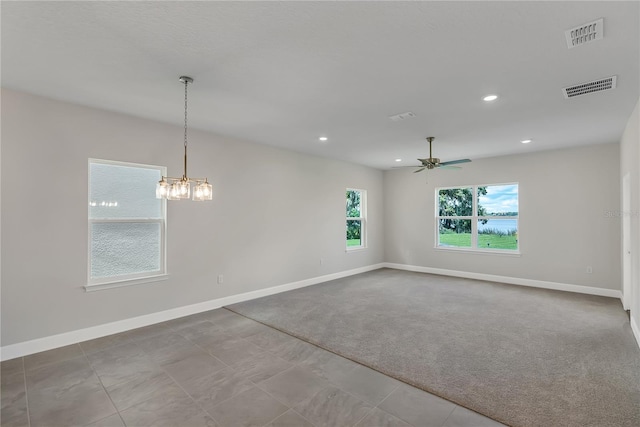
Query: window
<point x="126" y="223"/>
<point x="483" y="218"/>
<point x="356" y="218"/>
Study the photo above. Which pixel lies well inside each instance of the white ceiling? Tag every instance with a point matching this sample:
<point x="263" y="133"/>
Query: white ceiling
<point x="285" y="73"/>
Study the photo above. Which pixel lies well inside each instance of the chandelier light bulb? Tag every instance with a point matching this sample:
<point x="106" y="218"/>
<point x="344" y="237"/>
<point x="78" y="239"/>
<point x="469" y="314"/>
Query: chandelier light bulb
<point x="202" y="191"/>
<point x="162" y="189"/>
<point x="173" y="193"/>
<point x="183" y="188"/>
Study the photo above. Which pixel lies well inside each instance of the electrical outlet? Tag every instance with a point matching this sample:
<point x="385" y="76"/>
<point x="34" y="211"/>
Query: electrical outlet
<point x="220" y="279"/>
<point x="589" y="270"/>
<point x="321" y="261"/>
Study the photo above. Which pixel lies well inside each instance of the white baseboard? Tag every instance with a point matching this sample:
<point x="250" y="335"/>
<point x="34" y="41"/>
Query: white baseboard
<point x="635" y="329"/>
<point x="47" y="343"/>
<point x="510" y="280"/>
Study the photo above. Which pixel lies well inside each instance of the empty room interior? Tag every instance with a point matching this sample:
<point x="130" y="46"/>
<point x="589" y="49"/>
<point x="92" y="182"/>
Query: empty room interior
<point x="309" y="214"/>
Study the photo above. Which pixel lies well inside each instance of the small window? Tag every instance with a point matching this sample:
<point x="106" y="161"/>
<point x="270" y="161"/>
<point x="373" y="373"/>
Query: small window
<point x="126" y="222"/>
<point x="483" y="218"/>
<point x="356" y="218"/>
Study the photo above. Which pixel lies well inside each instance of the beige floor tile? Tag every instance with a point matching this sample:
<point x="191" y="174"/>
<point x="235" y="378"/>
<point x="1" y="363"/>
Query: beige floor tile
<point x="196" y="364"/>
<point x="253" y="407"/>
<point x="167" y="411"/>
<point x="294" y="385"/>
<point x="213" y="389"/>
<point x="417" y="407"/>
<point x="126" y="395"/>
<point x="333" y="407"/>
<point x="122" y="364"/>
<point x="13" y="366"/>
<point x="13" y="410"/>
<point x="378" y="418"/>
<point x="80" y="404"/>
<point x="261" y="367"/>
<point x="38" y="360"/>
<point x="111" y="421"/>
<point x="290" y="419"/>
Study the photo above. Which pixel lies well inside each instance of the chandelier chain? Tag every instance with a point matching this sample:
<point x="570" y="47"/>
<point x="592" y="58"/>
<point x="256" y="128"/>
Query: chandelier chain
<point x="186" y="83"/>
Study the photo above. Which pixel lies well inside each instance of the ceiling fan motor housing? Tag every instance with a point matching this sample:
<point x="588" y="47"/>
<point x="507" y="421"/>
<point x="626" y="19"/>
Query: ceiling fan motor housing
<point x="431" y="162"/>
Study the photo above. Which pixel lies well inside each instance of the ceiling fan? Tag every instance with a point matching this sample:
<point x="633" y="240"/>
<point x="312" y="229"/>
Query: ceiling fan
<point x="434" y="162"/>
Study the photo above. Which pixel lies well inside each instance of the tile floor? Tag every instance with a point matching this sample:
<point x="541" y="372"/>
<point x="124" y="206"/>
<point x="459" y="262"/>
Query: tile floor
<point x="212" y="369"/>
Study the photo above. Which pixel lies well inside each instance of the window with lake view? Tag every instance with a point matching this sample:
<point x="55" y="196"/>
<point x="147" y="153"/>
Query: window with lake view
<point x="126" y="222"/>
<point x="478" y="217"/>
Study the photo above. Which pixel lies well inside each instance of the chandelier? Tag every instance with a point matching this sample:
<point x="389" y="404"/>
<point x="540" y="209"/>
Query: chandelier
<point x="180" y="188"/>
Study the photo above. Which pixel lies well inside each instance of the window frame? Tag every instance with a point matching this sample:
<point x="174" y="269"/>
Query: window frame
<point x="94" y="284"/>
<point x="474" y="222"/>
<point x="362" y="218"/>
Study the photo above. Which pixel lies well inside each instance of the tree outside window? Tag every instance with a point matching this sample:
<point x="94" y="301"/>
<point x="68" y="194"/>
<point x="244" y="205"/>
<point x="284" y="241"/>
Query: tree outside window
<point x="355" y="210"/>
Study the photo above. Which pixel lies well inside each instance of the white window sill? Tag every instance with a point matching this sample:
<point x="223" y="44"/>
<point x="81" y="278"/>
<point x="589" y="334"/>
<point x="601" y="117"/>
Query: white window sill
<point x="125" y="282"/>
<point x="479" y="251"/>
<point x="356" y="249"/>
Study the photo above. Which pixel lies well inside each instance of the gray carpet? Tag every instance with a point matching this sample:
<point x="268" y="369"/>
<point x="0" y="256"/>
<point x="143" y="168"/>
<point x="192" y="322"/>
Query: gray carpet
<point x="522" y="356"/>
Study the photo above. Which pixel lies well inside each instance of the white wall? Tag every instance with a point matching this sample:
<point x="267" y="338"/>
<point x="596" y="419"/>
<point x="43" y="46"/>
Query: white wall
<point x="630" y="164"/>
<point x="275" y="214"/>
<point x="564" y="195"/>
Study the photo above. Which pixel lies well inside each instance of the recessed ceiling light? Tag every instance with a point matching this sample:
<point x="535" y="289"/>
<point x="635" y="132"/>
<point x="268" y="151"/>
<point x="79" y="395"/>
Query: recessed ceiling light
<point x="398" y="160"/>
<point x="490" y="98"/>
<point x="525" y="141"/>
<point x="323" y="138"/>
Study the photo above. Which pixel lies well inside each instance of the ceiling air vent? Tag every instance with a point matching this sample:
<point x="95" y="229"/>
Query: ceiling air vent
<point x="402" y="116"/>
<point x="585" y="33"/>
<point x="590" y="87"/>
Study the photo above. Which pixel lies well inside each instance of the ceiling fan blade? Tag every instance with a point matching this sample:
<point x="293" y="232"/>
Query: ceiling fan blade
<point x="440" y="166"/>
<point x="419" y="170"/>
<point x="455" y="162"/>
<point x="402" y="167"/>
